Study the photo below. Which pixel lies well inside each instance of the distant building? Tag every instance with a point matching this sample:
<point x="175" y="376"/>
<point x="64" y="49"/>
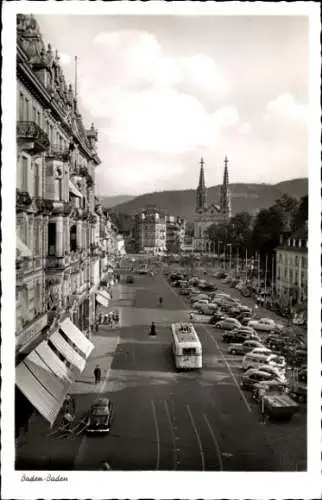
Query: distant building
<point x="150" y="231"/>
<point x="291" y="268"/>
<point x="206" y="215"/>
<point x="175" y="233"/>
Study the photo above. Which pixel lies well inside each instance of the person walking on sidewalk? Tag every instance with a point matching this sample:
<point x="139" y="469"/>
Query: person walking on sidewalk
<point x="97" y="374"/>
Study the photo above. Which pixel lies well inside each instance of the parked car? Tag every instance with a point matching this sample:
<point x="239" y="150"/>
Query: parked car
<point x="253" y="376"/>
<point x="252" y="334"/>
<point x="244" y="321"/>
<point x="265" y="325"/>
<point x="262" y="350"/>
<point x="217" y="316"/>
<point x="129" y="280"/>
<point x="245" y="347"/>
<point x="274" y="371"/>
<point x="100" y="415"/>
<point x="233" y="336"/>
<point x="227" y="324"/>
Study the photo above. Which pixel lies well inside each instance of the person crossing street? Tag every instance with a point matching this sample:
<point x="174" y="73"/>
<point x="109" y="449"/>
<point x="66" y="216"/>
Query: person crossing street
<point x="97" y="374"/>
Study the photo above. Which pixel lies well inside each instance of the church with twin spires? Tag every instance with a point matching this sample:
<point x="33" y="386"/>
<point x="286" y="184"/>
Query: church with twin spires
<point x="212" y="213"/>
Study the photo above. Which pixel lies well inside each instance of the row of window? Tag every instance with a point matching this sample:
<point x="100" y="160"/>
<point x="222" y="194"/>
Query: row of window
<point x="293" y="276"/>
<point x="290" y="260"/>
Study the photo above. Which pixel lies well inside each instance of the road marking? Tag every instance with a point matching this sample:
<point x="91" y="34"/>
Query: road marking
<point x="157" y="434"/>
<point x="174" y="438"/>
<point x="197" y="436"/>
<point x="230" y="371"/>
<point x="221" y="465"/>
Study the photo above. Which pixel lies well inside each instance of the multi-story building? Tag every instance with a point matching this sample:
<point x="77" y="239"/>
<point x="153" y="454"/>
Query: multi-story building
<point x="175" y="233"/>
<point x="206" y="215"/>
<point x="150" y="231"/>
<point x="291" y="268"/>
<point x="62" y="236"/>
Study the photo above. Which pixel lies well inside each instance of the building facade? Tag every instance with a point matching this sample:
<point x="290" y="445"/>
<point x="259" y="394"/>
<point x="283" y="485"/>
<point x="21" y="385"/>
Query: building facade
<point x="64" y="241"/>
<point x="291" y="268"/>
<point x="208" y="214"/>
<point x="150" y="231"/>
<point x="175" y="234"/>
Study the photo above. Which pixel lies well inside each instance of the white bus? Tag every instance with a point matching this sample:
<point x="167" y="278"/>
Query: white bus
<point x="186" y="346"/>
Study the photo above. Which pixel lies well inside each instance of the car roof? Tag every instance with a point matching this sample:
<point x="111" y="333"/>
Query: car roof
<point x="101" y="402"/>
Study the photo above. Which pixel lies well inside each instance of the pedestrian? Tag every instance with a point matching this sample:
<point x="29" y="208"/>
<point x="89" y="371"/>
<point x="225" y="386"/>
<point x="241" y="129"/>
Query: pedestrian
<point x="97" y="374"/>
<point x="153" y="329"/>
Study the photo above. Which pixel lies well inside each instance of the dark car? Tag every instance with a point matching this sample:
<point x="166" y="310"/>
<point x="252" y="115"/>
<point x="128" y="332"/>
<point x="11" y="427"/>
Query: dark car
<point x="243" y="315"/>
<point x="234" y="336"/>
<point x="129" y="280"/>
<point x="217" y="317"/>
<point x="99" y="419"/>
<point x="208" y="287"/>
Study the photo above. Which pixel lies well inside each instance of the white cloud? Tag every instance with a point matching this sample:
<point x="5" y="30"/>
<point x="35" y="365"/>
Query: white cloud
<point x="160" y="119"/>
<point x="202" y="71"/>
<point x="285" y="106"/>
<point x="244" y="129"/>
<point x="138" y="56"/>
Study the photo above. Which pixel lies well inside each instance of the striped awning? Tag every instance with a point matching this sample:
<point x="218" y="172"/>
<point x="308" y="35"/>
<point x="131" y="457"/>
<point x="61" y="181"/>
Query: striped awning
<point x="46" y="374"/>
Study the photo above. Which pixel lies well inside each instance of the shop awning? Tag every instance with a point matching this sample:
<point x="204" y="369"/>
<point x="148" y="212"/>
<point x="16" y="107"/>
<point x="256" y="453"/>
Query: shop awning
<point x="44" y="389"/>
<point x="22" y="248"/>
<point x="66" y="349"/>
<point x="54" y="363"/>
<point x="105" y="293"/>
<point x="101" y="299"/>
<point x="77" y="337"/>
<point x="73" y="189"/>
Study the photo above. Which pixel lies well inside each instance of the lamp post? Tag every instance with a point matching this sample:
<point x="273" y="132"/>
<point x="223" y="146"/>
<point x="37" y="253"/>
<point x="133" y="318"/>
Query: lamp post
<point x="225" y="256"/>
<point x="237" y="263"/>
<point x="219" y="243"/>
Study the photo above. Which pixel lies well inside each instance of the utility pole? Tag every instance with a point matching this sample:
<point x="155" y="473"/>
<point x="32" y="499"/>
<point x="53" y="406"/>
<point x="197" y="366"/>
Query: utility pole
<point x="237" y="263"/>
<point x="246" y="267"/>
<point x="265" y="279"/>
<point x="230" y="257"/>
<point x="258" y="269"/>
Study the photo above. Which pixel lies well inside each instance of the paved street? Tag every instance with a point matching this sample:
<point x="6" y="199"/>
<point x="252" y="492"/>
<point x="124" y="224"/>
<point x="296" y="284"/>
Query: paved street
<point x="162" y="419"/>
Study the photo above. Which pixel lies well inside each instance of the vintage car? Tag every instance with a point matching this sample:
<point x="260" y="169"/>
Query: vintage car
<point x="99" y="418"/>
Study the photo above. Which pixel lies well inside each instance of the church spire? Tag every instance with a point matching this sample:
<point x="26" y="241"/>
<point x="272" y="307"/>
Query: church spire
<point x="201" y="195"/>
<point x="225" y="201"/>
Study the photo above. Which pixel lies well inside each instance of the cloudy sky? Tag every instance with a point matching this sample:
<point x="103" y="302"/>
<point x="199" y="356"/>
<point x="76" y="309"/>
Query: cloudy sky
<point x="164" y="90"/>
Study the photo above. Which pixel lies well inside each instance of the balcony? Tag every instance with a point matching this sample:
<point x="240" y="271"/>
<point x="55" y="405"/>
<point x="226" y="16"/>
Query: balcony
<point x="31" y="137"/>
<point x="23" y="200"/>
<point x="55" y="263"/>
<point x="57" y="152"/>
<point x="31" y="330"/>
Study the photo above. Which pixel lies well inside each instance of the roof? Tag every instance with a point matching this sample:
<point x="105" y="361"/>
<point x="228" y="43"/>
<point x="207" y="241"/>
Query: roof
<point x="184" y="332"/>
<point x="300" y="234"/>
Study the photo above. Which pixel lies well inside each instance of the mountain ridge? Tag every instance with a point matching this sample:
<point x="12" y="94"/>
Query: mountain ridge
<point x="245" y="196"/>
